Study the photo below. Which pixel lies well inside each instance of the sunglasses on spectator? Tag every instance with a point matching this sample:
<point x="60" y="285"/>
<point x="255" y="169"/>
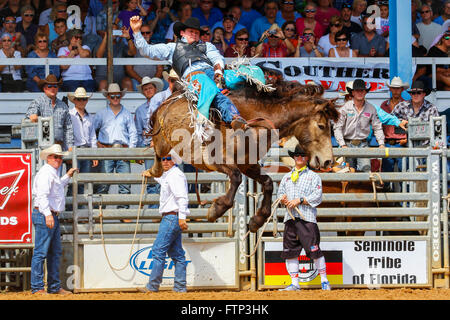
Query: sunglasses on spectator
<point x="166" y="158"/>
<point x="310" y="10"/>
<point x="6" y="40"/>
<point x="347" y="5"/>
<point x="10" y="21"/>
<point x="242" y="39"/>
<point x="289" y="29"/>
<point x="206" y="32"/>
<point x="425" y="11"/>
<point x="288" y="2"/>
<point x="146" y="32"/>
<point x="446" y="37"/>
<point x="115" y="96"/>
<point x="309" y="34"/>
<point x="42" y="41"/>
<point x="341" y="39"/>
<point x="81" y="99"/>
<point x="52" y="86"/>
<point x="56" y="156"/>
<point x="416" y="92"/>
<point x="78" y="37"/>
<point x="61" y="11"/>
<point x="337" y="25"/>
<point x="28" y="15"/>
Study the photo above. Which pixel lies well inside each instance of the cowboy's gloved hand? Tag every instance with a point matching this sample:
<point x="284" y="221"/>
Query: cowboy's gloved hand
<point x="218" y="78"/>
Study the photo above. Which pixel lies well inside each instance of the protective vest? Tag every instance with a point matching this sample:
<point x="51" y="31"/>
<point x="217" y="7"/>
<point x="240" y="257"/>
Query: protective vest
<point x="186" y="54"/>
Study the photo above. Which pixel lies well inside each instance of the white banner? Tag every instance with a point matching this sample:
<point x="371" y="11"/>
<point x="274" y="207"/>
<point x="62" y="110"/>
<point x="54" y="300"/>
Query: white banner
<point x="332" y="75"/>
<point x="208" y="264"/>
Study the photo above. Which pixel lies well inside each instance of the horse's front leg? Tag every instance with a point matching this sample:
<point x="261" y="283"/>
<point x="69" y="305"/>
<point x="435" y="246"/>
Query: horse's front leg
<point x="263" y="213"/>
<point x="225" y="202"/>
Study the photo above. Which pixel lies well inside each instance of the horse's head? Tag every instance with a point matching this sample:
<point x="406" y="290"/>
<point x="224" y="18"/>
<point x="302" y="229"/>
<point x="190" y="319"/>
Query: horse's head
<point x="314" y="132"/>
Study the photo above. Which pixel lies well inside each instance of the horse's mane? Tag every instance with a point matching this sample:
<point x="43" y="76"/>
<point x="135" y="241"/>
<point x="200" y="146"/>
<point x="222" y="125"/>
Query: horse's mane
<point x="285" y="91"/>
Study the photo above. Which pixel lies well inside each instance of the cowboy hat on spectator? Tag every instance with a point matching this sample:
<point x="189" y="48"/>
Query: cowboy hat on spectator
<point x="79" y="93"/>
<point x="397" y="83"/>
<point x="348" y="85"/>
<point x="114" y="88"/>
<point x="50" y="79"/>
<point x="54" y="149"/>
<point x="157" y="82"/>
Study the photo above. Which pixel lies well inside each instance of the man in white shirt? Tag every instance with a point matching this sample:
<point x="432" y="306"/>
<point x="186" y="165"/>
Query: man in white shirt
<point x="48" y="202"/>
<point x="173" y="207"/>
<point x="428" y="29"/>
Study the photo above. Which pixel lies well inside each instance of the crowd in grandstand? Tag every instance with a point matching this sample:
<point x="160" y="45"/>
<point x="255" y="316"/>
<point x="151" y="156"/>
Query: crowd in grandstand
<point x="285" y="28"/>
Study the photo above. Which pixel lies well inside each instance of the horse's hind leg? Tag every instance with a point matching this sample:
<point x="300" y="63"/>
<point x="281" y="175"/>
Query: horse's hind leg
<point x="254" y="172"/>
<point x="161" y="150"/>
<point x="225" y="202"/>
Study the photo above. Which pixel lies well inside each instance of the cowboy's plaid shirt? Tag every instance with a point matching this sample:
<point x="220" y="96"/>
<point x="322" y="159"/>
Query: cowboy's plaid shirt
<point x="308" y="186"/>
<point x="404" y="109"/>
<point x="62" y="122"/>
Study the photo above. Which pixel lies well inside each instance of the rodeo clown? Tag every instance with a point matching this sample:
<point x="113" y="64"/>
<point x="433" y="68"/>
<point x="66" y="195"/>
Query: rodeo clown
<point x="301" y="192"/>
<point x="196" y="62"/>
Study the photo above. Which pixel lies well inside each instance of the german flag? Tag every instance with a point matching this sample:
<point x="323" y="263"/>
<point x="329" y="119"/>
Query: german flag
<point x="275" y="273"/>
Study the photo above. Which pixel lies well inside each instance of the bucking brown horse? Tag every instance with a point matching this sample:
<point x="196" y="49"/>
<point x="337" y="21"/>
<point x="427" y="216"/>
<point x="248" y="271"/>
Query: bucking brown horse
<point x="291" y="110"/>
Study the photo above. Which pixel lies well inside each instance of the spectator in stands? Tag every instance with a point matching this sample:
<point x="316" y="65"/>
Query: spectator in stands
<point x="137" y="72"/>
<point x="427" y="28"/>
<point x="48" y="105"/>
<point x="260" y="25"/>
<point x="353" y="126"/>
<point x="19" y="42"/>
<point x="83" y="130"/>
<point x="26" y="26"/>
<point x="241" y="48"/>
<point x="441" y="49"/>
<point x="325" y="11"/>
<point x="116" y="129"/>
<point x="184" y="12"/>
<point x="120" y="50"/>
<point x="415" y="16"/>
<point x="290" y="32"/>
<point x="218" y="40"/>
<point x="229" y="24"/>
<point x="36" y="73"/>
<point x="358" y="8"/>
<point x="206" y="13"/>
<point x="309" y="21"/>
<point x="88" y="20"/>
<point x="383" y="21"/>
<point x="287" y="12"/>
<point x="44" y="14"/>
<point x="61" y="31"/>
<point x="342" y="50"/>
<point x="327" y="41"/>
<point x="160" y="20"/>
<point x="75" y="76"/>
<point x="101" y="20"/>
<point x="368" y="43"/>
<point x="392" y="138"/>
<point x="149" y="87"/>
<point x="48" y="202"/>
<point x="205" y="34"/>
<point x="248" y="14"/>
<point x="59" y="11"/>
<point x="445" y="13"/>
<point x="349" y="27"/>
<point x="232" y="22"/>
<point x="130" y="8"/>
<point x="306" y="46"/>
<point x="277" y="45"/>
<point x="11" y="78"/>
<point x="11" y="10"/>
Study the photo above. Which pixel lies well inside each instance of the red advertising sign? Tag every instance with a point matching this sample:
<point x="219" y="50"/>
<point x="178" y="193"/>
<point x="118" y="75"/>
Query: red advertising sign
<point x="15" y="198"/>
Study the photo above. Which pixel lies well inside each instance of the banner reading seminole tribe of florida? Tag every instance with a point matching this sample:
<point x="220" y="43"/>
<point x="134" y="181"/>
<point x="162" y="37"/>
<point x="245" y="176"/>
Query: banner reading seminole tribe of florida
<point x="332" y="75"/>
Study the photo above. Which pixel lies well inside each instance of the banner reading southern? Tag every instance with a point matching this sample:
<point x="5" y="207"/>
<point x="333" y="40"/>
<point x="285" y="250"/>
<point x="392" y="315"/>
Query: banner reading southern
<point x="15" y="198"/>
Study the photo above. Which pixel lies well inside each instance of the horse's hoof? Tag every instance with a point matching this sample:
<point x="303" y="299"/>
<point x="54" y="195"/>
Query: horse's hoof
<point x="255" y="223"/>
<point x="211" y="215"/>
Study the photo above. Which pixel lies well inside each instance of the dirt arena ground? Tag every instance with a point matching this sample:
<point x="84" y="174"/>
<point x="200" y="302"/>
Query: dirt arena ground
<point x="306" y="294"/>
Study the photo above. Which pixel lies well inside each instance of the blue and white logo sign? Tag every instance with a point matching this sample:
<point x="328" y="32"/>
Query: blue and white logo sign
<point x="142" y="261"/>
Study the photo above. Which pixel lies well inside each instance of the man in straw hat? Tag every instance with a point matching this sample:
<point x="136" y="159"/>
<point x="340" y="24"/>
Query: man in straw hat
<point x="149" y="87"/>
<point x="116" y="129"/>
<point x="193" y="61"/>
<point x="173" y="206"/>
<point x="356" y="119"/>
<point x="301" y="189"/>
<point x="48" y="202"/>
<point x="83" y="128"/>
<point x="48" y="105"/>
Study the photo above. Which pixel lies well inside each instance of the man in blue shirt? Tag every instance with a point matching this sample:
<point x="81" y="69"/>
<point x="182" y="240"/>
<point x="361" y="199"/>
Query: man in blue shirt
<point x="207" y="14"/>
<point x="265" y="22"/>
<point x="116" y="129"/>
<point x="193" y="61"/>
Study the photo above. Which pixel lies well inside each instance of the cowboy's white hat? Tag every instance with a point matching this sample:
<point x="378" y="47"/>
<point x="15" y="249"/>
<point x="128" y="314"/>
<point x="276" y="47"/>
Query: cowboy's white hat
<point x="79" y="93"/>
<point x="54" y="149"/>
<point x="397" y="83"/>
<point x="349" y="84"/>
<point x="157" y="82"/>
<point x="172" y="74"/>
<point x="113" y="88"/>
